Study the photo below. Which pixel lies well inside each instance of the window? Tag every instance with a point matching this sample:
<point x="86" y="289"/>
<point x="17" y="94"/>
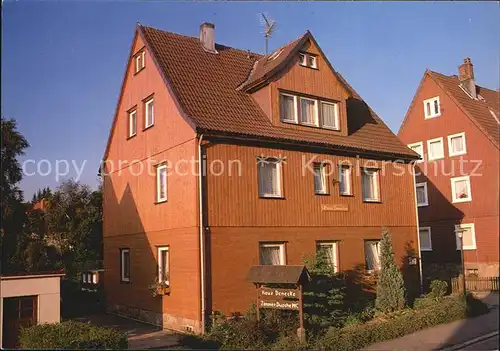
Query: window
<point x="308" y="111"/>
<point x="330" y="249"/>
<point x="140" y="61"/>
<point x="125" y="265"/>
<point x="132" y="123"/>
<point x="94" y="278"/>
<point x="435" y="149"/>
<point x="421" y="190"/>
<point x="312" y="61"/>
<point x="425" y="238"/>
<point x="460" y="189"/>
<point x="370" y="185"/>
<point x="161" y="183"/>
<point x="320" y="182"/>
<point x="149" y="115"/>
<point x="418" y="148"/>
<point x="272" y="254"/>
<point x="372" y="255"/>
<point x="329" y="115"/>
<point x="345" y="180"/>
<point x="84" y="277"/>
<point x="308" y="60"/>
<point x="468" y="236"/>
<point x="269" y="174"/>
<point x="288" y="108"/>
<point x="432" y="108"/>
<point x="456" y="144"/>
<point x="163" y="265"/>
<point x="303" y="59"/>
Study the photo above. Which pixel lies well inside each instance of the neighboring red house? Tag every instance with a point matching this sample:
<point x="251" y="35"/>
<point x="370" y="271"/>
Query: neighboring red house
<point x="452" y="121"/>
<point x="194" y="230"/>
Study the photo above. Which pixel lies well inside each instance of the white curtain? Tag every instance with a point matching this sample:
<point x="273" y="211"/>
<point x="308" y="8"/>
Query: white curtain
<point x="330" y="249"/>
<point x="345" y="176"/>
<point x="162" y="182"/>
<point x="418" y="150"/>
<point x="287" y="108"/>
<point x="461" y="189"/>
<point x="425" y="242"/>
<point x="307" y="111"/>
<point x="457" y="144"/>
<point x="270" y="255"/>
<point x="319" y="184"/>
<point x="372" y="255"/>
<point x="436" y="149"/>
<point x="268" y="177"/>
<point x="467" y="237"/>
<point x="420" y="194"/>
<point x="329" y="115"/>
<point x="369" y="191"/>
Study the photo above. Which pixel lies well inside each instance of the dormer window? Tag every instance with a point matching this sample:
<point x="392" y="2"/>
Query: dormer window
<point x="308" y="60"/>
<point x="432" y="108"/>
<point x="329" y="115"/>
<point x="140" y="61"/>
<point x="308" y="111"/>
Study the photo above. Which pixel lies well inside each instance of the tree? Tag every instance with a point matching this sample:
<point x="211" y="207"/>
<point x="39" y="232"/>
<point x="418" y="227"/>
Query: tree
<point x="40" y="194"/>
<point x="391" y="292"/>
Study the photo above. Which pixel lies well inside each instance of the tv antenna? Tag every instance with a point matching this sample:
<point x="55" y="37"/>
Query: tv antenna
<point x="269" y="27"/>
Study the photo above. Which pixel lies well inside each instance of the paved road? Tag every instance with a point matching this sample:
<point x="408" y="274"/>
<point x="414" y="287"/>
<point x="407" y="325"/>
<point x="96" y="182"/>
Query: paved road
<point x="485" y="345"/>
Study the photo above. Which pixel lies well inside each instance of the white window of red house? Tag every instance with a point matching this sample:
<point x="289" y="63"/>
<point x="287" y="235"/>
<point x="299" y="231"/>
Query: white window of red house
<point x="288" y="108"/>
<point x="161" y="183"/>
<point x="272" y="254"/>
<point x="432" y="107"/>
<point x="435" y="149"/>
<point x="370" y="183"/>
<point x="425" y="238"/>
<point x="320" y="178"/>
<point x="422" y="198"/>
<point x="308" y="60"/>
<point x="345" y="186"/>
<point x="330" y="249"/>
<point x="149" y="115"/>
<point x="468" y="233"/>
<point x="163" y="265"/>
<point x="269" y="177"/>
<point x="308" y="111"/>
<point x="456" y="144"/>
<point x="418" y="148"/>
<point x="329" y="115"/>
<point x="460" y="189"/>
<point x="132" y="123"/>
<point x="140" y="61"/>
<point x="372" y="255"/>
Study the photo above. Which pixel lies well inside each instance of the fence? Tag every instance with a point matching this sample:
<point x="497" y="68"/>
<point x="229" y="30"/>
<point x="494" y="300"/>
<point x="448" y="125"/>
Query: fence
<point x="475" y="284"/>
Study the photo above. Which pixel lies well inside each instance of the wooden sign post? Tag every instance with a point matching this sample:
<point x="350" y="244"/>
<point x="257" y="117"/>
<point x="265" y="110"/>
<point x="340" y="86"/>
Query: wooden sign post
<point x="281" y="298"/>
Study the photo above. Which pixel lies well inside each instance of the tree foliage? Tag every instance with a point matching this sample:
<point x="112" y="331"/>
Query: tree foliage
<point x="391" y="292"/>
<point x="41" y="194"/>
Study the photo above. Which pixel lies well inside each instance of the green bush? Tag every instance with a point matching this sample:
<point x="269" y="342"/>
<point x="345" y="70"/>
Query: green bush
<point x="72" y="335"/>
<point x="439" y="288"/>
<point x="353" y="337"/>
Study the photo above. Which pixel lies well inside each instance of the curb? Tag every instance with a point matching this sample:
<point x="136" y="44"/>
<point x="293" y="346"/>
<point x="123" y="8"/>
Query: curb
<point x="470" y="342"/>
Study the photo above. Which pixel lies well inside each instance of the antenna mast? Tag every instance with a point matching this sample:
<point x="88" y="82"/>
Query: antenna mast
<point x="269" y="27"/>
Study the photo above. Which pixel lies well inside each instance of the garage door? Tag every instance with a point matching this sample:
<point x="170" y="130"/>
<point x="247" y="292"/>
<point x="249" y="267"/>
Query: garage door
<point x="18" y="312"/>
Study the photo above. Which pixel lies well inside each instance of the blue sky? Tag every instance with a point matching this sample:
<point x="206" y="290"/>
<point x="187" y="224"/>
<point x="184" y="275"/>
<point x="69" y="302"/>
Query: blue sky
<point x="63" y="62"/>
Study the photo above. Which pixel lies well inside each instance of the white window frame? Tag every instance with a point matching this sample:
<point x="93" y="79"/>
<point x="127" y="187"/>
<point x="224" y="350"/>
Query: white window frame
<point x="335" y="246"/>
<point x="146" y="113"/>
<point x="430" y="157"/>
<point x="431" y="101"/>
<point x="295" y="112"/>
<point x="275" y="244"/>
<point x="314" y="61"/>
<point x="122" y="265"/>
<point x="378" y="253"/>
<point x="303" y="59"/>
<point x="160" y="264"/>
<point x="158" y="183"/>
<point x="426" y="202"/>
<point x="132" y="113"/>
<point x="450" y="149"/>
<point x="377" y="184"/>
<point x="279" y="173"/>
<point x="139" y="61"/>
<point x="324" y="182"/>
<point x="453" y="192"/>
<point x="336" y="107"/>
<point x="349" y="180"/>
<point x="473" y="233"/>
<point x="315" y="116"/>
<point x="428" y="229"/>
<point x="421" y="145"/>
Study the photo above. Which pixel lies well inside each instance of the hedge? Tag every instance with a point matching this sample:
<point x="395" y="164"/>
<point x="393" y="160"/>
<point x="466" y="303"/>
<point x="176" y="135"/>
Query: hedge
<point x="72" y="335"/>
<point x="355" y="337"/>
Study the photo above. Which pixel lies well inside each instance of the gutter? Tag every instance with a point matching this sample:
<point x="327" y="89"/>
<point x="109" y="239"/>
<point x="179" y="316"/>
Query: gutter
<point x="418" y="229"/>
<point x="201" y="238"/>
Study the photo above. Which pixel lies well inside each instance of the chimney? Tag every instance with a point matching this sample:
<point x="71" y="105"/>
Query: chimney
<point x="466" y="77"/>
<point x="207" y="37"/>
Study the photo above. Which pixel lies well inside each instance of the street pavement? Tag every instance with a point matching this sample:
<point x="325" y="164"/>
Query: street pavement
<point x="488" y="344"/>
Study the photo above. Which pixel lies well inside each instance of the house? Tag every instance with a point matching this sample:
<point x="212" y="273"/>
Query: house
<point x="453" y="123"/>
<point x="27" y="299"/>
<point x="293" y="160"/>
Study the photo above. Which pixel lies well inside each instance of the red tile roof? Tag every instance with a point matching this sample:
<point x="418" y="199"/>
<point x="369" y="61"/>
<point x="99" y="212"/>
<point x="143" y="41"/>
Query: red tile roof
<point x="479" y="110"/>
<point x="206" y="86"/>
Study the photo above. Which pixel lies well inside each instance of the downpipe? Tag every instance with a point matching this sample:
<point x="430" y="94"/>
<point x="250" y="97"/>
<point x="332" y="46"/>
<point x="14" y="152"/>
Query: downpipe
<point x="201" y="239"/>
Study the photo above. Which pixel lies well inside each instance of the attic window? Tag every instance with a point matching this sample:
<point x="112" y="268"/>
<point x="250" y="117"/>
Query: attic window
<point x="139" y="61"/>
<point x="308" y="60"/>
<point x="275" y="55"/>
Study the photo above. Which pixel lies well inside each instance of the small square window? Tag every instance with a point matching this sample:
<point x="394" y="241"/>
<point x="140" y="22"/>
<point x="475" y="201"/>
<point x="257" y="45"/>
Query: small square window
<point x="461" y="189"/>
<point x="161" y="183"/>
<point x="432" y="107"/>
<point x="303" y="59"/>
<point x="320" y="181"/>
<point x="331" y="251"/>
<point x="372" y="255"/>
<point x="132" y="123"/>
<point x="312" y="61"/>
<point x="269" y="174"/>
<point x="125" y="265"/>
<point x="163" y="265"/>
<point x="370" y="184"/>
<point x="272" y="254"/>
<point x="435" y="149"/>
<point x="421" y="190"/>
<point x="308" y="111"/>
<point x="456" y="144"/>
<point x="329" y="115"/>
<point x="140" y="61"/>
<point x="149" y="118"/>
<point x="288" y="108"/>
<point x="345" y="180"/>
<point x="418" y="148"/>
<point x="468" y="233"/>
<point x="425" y="238"/>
